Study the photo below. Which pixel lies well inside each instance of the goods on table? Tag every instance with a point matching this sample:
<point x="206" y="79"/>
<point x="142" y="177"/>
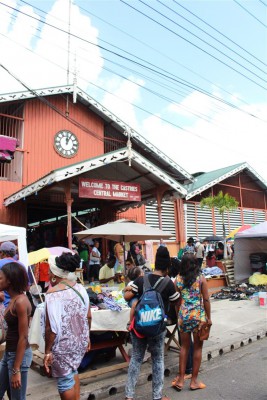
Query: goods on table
<point x="239" y="292"/>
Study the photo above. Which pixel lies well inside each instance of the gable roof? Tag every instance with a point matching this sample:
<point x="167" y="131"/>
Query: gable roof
<point x="140" y="143"/>
<point x="206" y="180"/>
<point x="148" y="174"/>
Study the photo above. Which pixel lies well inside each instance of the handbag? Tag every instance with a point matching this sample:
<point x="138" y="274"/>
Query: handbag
<point x="204" y="331"/>
<point x="204" y="327"/>
<point x="3" y="325"/>
<point x="95" y="260"/>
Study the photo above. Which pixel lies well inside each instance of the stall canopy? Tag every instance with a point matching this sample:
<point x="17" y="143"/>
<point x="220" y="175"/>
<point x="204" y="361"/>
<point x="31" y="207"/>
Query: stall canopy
<point x="253" y="240"/>
<point x="9" y="232"/>
<point x="124" y="231"/>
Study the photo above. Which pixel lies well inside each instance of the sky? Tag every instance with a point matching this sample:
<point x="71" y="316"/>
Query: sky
<point x="190" y="76"/>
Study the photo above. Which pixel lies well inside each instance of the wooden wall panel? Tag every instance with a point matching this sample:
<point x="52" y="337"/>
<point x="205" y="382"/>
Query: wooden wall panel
<point x="136" y="214"/>
<point x="41" y="125"/>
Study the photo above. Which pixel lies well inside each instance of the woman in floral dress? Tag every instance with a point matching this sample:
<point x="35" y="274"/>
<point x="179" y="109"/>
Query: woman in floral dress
<point x="194" y="309"/>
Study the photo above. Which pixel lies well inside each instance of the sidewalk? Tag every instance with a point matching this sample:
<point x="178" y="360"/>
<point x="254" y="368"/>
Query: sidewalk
<point x="235" y="324"/>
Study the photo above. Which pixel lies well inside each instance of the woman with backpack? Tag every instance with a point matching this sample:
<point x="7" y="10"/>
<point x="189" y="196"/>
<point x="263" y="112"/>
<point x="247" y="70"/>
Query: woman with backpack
<point x="140" y="342"/>
<point x="194" y="309"/>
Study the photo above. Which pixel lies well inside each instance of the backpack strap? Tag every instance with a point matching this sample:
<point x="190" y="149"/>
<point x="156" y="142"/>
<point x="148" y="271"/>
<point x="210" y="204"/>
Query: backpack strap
<point x="161" y="284"/>
<point x="147" y="284"/>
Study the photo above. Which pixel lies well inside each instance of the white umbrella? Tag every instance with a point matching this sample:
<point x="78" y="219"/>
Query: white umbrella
<point x="124" y="231"/>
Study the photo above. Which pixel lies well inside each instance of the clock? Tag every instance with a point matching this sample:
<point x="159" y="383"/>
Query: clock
<point x="66" y="144"/>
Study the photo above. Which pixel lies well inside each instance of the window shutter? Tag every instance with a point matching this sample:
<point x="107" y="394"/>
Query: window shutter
<point x="168" y="217"/>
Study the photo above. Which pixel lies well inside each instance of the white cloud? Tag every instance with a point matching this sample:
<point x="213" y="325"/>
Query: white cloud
<point x="231" y="137"/>
<point x="126" y="93"/>
<point x="45" y="64"/>
<point x="195" y="102"/>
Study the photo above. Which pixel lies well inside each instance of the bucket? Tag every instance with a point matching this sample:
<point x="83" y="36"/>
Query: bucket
<point x="263" y="299"/>
<point x="255" y="298"/>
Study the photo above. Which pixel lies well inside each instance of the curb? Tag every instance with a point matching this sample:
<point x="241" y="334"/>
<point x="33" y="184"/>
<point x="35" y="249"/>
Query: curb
<point x="117" y="387"/>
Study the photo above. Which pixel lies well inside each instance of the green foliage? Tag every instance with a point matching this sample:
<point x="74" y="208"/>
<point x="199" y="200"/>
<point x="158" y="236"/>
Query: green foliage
<point x="222" y="202"/>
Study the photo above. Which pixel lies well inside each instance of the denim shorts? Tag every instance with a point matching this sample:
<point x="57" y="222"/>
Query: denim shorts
<point x="66" y="382"/>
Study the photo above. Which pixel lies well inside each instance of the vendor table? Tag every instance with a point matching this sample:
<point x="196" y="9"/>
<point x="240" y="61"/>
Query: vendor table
<point x="102" y="321"/>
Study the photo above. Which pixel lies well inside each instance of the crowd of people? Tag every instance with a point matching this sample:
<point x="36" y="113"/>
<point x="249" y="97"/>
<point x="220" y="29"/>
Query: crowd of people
<point x="67" y="318"/>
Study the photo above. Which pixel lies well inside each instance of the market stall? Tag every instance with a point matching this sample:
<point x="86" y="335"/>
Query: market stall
<point x="104" y="321"/>
<point x="253" y="240"/>
<point x="9" y="233"/>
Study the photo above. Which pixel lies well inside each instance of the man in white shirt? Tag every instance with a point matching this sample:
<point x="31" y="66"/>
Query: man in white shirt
<point x="199" y="253"/>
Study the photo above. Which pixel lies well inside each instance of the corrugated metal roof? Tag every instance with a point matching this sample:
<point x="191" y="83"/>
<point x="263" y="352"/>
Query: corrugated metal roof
<point x="141" y="144"/>
<point x="209" y="179"/>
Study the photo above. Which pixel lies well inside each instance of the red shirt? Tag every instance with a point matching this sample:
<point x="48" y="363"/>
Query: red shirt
<point x="43" y="271"/>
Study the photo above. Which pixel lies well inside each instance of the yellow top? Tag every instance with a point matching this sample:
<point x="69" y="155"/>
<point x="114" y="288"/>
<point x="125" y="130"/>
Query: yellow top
<point x="105" y="273"/>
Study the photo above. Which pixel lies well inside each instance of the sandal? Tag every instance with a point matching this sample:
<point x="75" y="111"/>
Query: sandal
<point x="175" y="384"/>
<point x="187" y="376"/>
<point x="200" y="386"/>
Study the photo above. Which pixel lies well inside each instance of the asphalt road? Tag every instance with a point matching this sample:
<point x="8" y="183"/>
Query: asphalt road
<point x="241" y="374"/>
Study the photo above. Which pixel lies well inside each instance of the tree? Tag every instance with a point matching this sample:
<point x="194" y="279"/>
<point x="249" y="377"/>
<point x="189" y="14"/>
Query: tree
<point x="222" y="202"/>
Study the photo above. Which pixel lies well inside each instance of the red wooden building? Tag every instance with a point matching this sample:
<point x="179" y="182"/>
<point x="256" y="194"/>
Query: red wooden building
<point x="65" y="135"/>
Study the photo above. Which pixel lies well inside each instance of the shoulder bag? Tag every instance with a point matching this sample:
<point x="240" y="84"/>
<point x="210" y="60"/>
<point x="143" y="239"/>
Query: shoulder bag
<point x="3" y="326"/>
<point x="76" y="291"/>
<point x="204" y="327"/>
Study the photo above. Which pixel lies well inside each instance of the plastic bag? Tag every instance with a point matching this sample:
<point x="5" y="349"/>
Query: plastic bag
<point x="258" y="279"/>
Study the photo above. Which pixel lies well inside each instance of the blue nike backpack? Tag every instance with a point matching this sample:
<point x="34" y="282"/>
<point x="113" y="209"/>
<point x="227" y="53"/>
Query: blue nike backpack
<point x="149" y="316"/>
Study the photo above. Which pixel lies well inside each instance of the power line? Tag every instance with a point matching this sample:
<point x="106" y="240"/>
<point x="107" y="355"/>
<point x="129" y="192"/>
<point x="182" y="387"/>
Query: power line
<point x="263" y="3"/>
<point x="167" y="55"/>
<point x="250" y="13"/>
<point x="202" y="40"/>
<point x="165" y="75"/>
<point x="213" y="37"/>
<point x="216" y="30"/>
<point x="52" y="106"/>
<point x="193" y="44"/>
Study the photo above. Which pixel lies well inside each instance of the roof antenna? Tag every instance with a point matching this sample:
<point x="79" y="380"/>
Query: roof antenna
<point x="129" y="147"/>
<point x="75" y="80"/>
<point x="68" y="61"/>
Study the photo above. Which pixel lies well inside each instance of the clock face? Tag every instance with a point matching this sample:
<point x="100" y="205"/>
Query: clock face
<point x="66" y="144"/>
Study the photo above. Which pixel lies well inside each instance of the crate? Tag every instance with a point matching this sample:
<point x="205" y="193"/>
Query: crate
<point x="229" y="273"/>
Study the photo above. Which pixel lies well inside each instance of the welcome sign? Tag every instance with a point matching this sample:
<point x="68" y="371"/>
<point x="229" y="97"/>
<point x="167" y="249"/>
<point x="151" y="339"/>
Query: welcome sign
<point x="109" y="190"/>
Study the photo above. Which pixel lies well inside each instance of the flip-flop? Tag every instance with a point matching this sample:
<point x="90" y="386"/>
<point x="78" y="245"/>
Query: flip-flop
<point x="201" y="386"/>
<point x="187" y="376"/>
<point x="177" y="387"/>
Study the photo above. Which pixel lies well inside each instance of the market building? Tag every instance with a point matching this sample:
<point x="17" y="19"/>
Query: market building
<point x="76" y="162"/>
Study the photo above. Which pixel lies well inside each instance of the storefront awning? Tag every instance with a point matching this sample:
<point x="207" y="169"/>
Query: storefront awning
<point x="122" y="165"/>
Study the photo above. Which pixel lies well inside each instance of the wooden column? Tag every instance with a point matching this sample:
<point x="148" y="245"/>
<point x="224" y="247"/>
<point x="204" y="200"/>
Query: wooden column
<point x="159" y="195"/>
<point x="241" y="198"/>
<point x="68" y="201"/>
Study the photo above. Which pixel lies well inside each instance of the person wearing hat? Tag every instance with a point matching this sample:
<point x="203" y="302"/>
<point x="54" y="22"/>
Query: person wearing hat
<point x="7" y="250"/>
<point x="7" y="254"/>
<point x="190" y="247"/>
